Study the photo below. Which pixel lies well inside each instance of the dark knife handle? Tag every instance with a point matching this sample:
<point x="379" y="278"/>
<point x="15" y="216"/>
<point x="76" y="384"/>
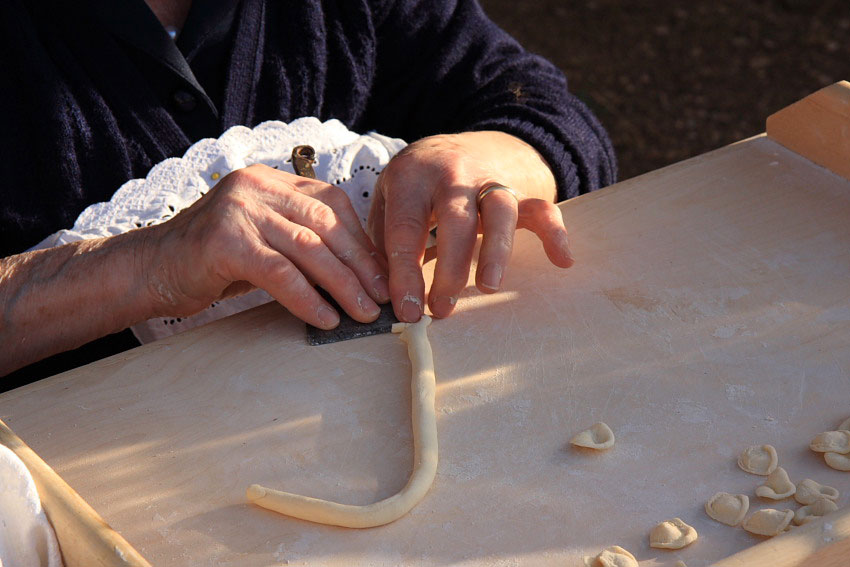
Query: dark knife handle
<point x="303" y="158"/>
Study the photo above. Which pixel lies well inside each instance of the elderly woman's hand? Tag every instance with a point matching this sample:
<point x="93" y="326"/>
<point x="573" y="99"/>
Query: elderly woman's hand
<point x="436" y="181"/>
<point x="260" y="227"/>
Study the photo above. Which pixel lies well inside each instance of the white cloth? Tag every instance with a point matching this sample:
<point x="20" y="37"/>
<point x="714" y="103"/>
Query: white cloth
<point x="348" y="160"/>
<point x="26" y="536"/>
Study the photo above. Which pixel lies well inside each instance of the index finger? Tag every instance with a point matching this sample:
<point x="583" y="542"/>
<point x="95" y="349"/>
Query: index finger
<point x="406" y="218"/>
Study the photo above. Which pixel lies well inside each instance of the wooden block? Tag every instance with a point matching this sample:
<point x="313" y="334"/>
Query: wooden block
<point x="85" y="540"/>
<point x="817" y="127"/>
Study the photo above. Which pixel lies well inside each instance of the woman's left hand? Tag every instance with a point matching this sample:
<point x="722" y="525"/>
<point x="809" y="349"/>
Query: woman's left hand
<point x="436" y="181"/>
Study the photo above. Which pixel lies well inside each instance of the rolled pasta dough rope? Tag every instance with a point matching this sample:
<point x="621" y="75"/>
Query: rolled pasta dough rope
<point x="424" y="422"/>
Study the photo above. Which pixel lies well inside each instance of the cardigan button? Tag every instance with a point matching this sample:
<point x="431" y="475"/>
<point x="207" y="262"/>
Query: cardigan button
<point x="184" y="100"/>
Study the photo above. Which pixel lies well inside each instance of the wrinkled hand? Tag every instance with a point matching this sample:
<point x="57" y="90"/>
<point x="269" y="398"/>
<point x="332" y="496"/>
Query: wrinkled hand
<point x="435" y="182"/>
<point x="260" y="227"/>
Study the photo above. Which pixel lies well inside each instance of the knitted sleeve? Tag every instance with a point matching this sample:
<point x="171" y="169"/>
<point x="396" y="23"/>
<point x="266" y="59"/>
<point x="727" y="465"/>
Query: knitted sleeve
<point x="443" y="66"/>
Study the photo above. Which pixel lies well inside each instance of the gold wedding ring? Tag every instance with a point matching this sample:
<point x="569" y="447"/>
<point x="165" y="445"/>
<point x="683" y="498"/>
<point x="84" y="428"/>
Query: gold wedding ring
<point x="495" y="187"/>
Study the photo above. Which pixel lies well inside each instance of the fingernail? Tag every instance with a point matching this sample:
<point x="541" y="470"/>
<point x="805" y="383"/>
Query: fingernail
<point x="443" y="306"/>
<point x="328" y="317"/>
<point x="411" y="308"/>
<point x="491" y="276"/>
<point x="381" y="288"/>
<point x="367" y="306"/>
<point x="567" y="248"/>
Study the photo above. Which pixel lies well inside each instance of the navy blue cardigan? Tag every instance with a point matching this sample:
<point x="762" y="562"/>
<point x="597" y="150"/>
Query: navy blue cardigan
<point x="95" y="93"/>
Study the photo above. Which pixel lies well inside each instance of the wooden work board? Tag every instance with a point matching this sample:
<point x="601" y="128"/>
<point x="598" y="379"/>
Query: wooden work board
<point x="709" y="310"/>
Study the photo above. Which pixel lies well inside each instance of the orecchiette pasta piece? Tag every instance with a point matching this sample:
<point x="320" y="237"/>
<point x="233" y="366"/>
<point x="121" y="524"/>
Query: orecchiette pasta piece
<point x="819" y="508"/>
<point x="845" y="425"/>
<point x="837" y="461"/>
<point x="809" y="492"/>
<point x="831" y="442"/>
<point x="614" y="556"/>
<point x="777" y="486"/>
<point x="672" y="534"/>
<point x="758" y="459"/>
<point x="599" y="436"/>
<point x="768" y="522"/>
<point x="727" y="508"/>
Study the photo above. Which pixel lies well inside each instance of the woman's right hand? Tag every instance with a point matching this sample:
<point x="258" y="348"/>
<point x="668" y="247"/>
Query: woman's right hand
<point x="261" y="227"/>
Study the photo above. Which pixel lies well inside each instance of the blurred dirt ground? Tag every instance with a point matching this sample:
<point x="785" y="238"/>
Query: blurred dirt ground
<point x="671" y="80"/>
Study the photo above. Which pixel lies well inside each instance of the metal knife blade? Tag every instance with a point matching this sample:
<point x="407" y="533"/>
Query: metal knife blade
<point x="348" y="328"/>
